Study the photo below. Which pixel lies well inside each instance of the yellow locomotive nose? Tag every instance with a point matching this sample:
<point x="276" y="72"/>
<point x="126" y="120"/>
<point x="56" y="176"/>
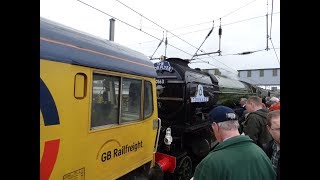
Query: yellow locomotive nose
<point x="97" y="103"/>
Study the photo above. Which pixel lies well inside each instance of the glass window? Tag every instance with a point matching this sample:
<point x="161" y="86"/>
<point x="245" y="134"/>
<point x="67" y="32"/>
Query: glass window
<point x="131" y="100"/>
<point x="148" y="105"/>
<point x="274" y="72"/>
<point x="261" y="73"/>
<point x="105" y="100"/>
<point x="248" y="73"/>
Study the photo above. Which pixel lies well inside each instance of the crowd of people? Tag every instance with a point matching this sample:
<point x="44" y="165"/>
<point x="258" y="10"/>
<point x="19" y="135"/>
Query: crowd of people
<point x="249" y="142"/>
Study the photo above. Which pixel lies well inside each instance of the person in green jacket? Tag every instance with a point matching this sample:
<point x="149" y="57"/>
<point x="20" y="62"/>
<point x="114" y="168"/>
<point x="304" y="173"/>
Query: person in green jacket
<point x="236" y="157"/>
<point x="255" y="124"/>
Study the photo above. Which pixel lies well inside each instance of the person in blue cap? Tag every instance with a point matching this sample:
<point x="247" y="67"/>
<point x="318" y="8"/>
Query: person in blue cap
<point x="236" y="157"/>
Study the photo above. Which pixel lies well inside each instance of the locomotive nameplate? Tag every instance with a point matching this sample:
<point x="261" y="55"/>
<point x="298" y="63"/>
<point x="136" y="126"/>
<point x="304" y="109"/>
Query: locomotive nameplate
<point x="163" y="66"/>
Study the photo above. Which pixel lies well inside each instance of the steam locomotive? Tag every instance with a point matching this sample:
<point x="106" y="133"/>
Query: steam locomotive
<point x="185" y="97"/>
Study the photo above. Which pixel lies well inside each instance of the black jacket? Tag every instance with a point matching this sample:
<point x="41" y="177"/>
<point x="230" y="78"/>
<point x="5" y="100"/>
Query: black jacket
<point x="242" y="118"/>
<point x="268" y="150"/>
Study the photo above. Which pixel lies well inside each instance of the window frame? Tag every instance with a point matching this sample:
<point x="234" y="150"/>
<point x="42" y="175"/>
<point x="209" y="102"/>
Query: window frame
<point x="249" y="73"/>
<point x="141" y="104"/>
<point x="120" y="121"/>
<point x="275" y="72"/>
<point x="144" y="100"/>
<point x="92" y="128"/>
<point x="261" y="73"/>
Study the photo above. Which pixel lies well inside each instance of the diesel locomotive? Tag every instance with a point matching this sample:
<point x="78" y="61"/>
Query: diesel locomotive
<point x="98" y="108"/>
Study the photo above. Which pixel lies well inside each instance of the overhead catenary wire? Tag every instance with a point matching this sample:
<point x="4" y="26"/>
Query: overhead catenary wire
<point x="244" y="53"/>
<point x="226" y="24"/>
<point x="208" y="54"/>
<point x="249" y="52"/>
<point x="168" y="30"/>
<point x="219" y="51"/>
<point x="216" y="18"/>
<point x="221" y="67"/>
<point x="220" y="30"/>
<point x="275" y="51"/>
<point x="228" y="70"/>
<point x="204" y="40"/>
<point x="270" y="34"/>
<point x="191" y="25"/>
<point x="158" y="45"/>
<point x="247" y="19"/>
<point x="237" y="9"/>
<point x="222" y="63"/>
<point x="176" y="35"/>
<point x="132" y="26"/>
<point x="156" y="24"/>
<point x="140" y="23"/>
<point x="150" y="34"/>
<point x="209" y="28"/>
<point x="207" y="62"/>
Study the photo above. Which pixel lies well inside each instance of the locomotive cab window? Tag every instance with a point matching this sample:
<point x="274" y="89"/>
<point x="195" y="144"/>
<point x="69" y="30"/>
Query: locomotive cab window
<point x="113" y="104"/>
<point x="131" y="100"/>
<point x="148" y="106"/>
<point x="105" y="100"/>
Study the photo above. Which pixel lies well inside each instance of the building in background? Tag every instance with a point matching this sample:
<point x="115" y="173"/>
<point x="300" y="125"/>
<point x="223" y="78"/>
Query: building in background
<point x="268" y="78"/>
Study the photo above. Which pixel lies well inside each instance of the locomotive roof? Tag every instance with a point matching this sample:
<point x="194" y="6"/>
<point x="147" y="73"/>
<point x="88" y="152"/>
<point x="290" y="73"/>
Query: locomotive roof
<point x="64" y="44"/>
<point x="183" y="64"/>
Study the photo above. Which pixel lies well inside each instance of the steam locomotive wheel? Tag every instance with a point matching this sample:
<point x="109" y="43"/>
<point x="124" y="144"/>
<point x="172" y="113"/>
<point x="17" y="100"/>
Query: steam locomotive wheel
<point x="184" y="171"/>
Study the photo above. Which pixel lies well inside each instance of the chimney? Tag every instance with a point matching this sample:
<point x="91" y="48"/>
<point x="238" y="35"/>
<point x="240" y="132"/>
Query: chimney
<point x="111" y="33"/>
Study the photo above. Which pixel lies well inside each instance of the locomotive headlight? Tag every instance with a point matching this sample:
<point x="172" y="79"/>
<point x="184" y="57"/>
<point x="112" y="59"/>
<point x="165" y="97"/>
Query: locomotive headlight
<point x="168" y="137"/>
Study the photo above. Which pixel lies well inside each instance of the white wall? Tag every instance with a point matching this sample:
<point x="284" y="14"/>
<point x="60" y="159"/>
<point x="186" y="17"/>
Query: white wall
<point x="255" y="78"/>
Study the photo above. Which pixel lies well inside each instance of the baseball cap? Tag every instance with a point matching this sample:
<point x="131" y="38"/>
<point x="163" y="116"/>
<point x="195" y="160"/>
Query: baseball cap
<point x="221" y="114"/>
<point x="274" y="99"/>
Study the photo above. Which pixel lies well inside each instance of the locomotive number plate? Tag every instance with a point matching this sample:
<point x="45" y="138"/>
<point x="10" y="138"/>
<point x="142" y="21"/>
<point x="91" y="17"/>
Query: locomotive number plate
<point x="160" y="81"/>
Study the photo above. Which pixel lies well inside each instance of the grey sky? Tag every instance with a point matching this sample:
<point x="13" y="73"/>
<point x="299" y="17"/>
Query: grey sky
<point x="238" y="37"/>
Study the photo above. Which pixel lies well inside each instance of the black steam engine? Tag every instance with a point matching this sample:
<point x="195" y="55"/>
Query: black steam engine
<point x="185" y="97"/>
